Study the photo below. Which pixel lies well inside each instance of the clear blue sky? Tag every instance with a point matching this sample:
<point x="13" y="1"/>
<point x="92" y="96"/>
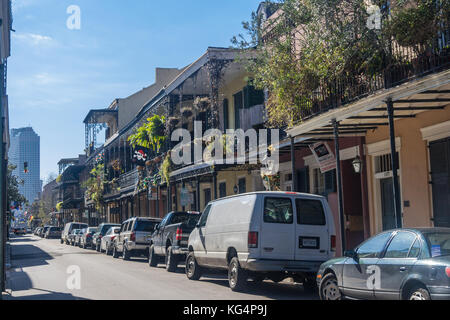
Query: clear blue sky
<point x="56" y="75"/>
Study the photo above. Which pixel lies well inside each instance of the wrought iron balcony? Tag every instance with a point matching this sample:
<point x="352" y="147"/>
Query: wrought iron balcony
<point x="405" y="65"/>
<point x="129" y="179"/>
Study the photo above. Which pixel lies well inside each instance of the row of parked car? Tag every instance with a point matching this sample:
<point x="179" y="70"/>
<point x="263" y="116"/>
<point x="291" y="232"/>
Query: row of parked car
<point x="48" y="232"/>
<point x="276" y="235"/>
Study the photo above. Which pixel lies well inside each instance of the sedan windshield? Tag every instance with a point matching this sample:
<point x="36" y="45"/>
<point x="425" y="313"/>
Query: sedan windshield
<point x="438" y="243"/>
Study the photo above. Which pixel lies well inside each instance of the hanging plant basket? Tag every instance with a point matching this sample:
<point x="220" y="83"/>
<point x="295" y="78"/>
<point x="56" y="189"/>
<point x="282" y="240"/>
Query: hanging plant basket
<point x="173" y="121"/>
<point x="186" y="112"/>
<point x="148" y="163"/>
<point x="202" y="104"/>
<point x="157" y="159"/>
<point x="140" y="168"/>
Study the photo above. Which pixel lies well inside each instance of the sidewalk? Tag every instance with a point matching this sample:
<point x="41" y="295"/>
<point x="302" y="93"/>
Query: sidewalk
<point x="7" y="269"/>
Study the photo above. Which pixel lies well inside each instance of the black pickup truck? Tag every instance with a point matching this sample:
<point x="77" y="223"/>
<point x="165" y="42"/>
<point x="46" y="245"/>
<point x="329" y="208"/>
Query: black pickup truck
<point x="170" y="238"/>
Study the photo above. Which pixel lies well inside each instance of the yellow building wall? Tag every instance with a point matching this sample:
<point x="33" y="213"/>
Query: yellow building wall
<point x="414" y="168"/>
<point x="227" y="90"/>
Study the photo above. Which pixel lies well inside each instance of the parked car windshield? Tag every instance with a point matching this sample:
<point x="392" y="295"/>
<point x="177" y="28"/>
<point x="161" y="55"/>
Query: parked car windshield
<point x="192" y="219"/>
<point x="438" y="243"/>
<point x="78" y="226"/>
<point x="145" y="226"/>
<point x="106" y="227"/>
<point x="179" y="217"/>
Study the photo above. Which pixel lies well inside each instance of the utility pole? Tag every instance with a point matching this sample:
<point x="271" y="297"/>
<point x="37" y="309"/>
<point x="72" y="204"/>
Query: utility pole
<point x="2" y="188"/>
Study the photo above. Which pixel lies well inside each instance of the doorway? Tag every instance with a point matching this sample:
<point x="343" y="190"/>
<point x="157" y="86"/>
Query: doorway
<point x="387" y="204"/>
<point x="440" y="181"/>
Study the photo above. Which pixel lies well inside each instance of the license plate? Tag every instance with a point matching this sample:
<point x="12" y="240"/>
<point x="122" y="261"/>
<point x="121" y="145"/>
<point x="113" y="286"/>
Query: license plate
<point x="309" y="243"/>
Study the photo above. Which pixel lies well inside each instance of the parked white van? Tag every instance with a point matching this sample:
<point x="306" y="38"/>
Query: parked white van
<point x="262" y="235"/>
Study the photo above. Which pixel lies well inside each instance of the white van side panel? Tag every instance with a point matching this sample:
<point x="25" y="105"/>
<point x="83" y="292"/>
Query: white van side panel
<point x="227" y="227"/>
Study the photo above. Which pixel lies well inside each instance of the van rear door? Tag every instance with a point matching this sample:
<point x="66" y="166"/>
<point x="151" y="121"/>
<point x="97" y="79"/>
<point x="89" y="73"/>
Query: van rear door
<point x="277" y="229"/>
<point x="312" y="240"/>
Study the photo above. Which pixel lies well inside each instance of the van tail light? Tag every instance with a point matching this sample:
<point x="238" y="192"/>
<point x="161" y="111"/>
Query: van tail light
<point x="253" y="239"/>
<point x="447" y="272"/>
<point x="333" y="243"/>
<point x="112" y="238"/>
<point x="179" y="234"/>
<point x="133" y="236"/>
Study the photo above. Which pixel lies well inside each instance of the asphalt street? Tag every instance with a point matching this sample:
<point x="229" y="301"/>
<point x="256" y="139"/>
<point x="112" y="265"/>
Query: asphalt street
<point x="44" y="269"/>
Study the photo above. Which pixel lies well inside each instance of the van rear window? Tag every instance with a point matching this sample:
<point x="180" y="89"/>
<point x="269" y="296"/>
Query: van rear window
<point x="310" y="212"/>
<point x="278" y="210"/>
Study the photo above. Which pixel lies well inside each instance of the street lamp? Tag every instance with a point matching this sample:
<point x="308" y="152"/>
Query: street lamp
<point x="357" y="164"/>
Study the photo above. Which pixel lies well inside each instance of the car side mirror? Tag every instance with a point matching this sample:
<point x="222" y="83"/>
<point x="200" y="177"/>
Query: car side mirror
<point x="351" y="254"/>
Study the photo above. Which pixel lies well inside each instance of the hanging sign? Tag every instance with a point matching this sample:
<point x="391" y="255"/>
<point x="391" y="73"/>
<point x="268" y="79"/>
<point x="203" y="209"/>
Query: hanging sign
<point x="324" y="156"/>
<point x="186" y="197"/>
<point x="140" y="155"/>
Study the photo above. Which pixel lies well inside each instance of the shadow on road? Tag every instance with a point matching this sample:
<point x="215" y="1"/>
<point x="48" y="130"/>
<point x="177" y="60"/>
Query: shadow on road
<point x="28" y="255"/>
<point x="45" y="295"/>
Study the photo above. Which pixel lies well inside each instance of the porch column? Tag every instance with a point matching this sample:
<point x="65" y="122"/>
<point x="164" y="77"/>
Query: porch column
<point x="183" y="185"/>
<point x="157" y="201"/>
<point x="215" y="184"/>
<point x="198" y="193"/>
<point x="169" y="197"/>
<point x="364" y="190"/>
<point x="339" y="183"/>
<point x="176" y="196"/>
<point x="394" y="163"/>
<point x="294" y="176"/>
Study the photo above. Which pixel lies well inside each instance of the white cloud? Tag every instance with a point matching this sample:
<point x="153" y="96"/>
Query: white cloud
<point x="19" y="4"/>
<point x="34" y="39"/>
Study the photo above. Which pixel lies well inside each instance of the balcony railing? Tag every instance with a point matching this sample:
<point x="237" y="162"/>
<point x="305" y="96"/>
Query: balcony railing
<point x="128" y="179"/>
<point x="406" y="64"/>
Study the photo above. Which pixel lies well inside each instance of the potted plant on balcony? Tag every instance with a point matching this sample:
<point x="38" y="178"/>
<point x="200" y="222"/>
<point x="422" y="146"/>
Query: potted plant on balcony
<point x="186" y="112"/>
<point x="173" y="121"/>
<point x="165" y="169"/>
<point x="202" y="103"/>
<point x="151" y="134"/>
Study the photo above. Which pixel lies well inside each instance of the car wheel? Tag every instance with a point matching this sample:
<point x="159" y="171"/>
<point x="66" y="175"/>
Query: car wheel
<point x="329" y="289"/>
<point x="171" y="260"/>
<point x="62" y="241"/>
<point x="115" y="254"/>
<point x="152" y="257"/>
<point x="97" y="248"/>
<point x="107" y="251"/>
<point x="125" y="253"/>
<point x="84" y="245"/>
<point x="237" y="277"/>
<point x="419" y="293"/>
<point x="193" y="270"/>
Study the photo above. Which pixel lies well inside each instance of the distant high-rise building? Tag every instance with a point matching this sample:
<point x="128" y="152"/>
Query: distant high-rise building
<point x="24" y="152"/>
